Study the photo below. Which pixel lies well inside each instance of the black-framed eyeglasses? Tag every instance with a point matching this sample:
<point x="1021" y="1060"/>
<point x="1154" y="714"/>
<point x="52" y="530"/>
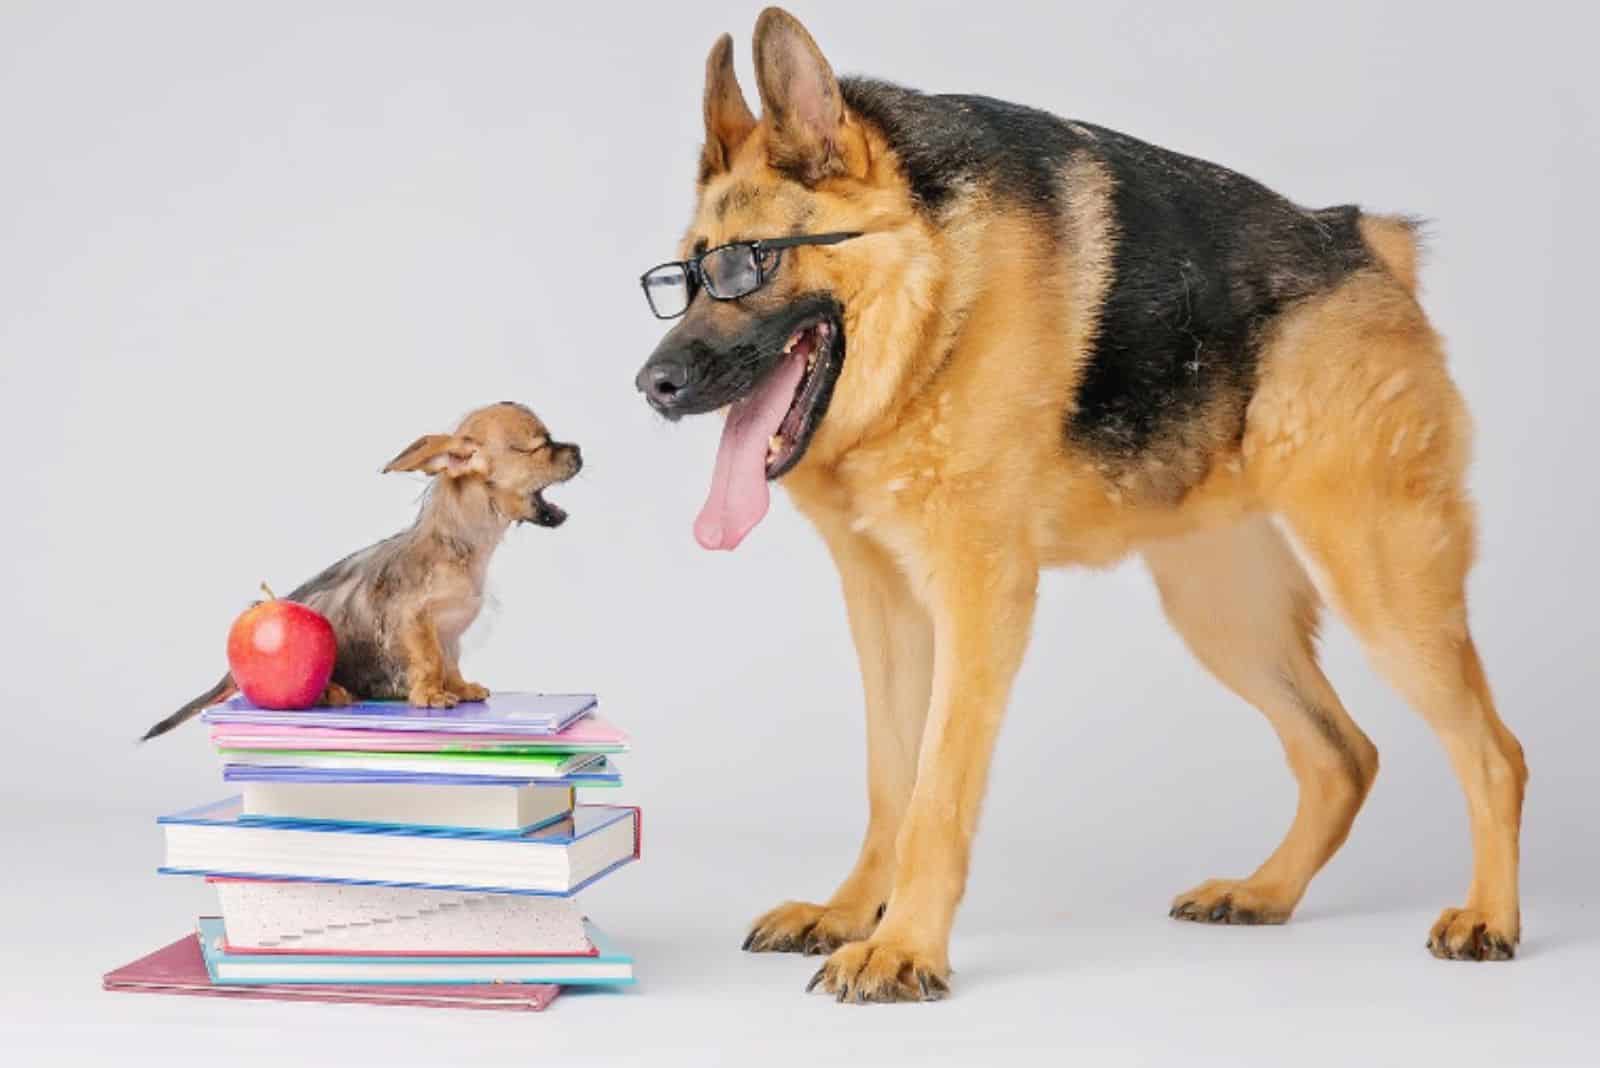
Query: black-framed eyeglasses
<point x="726" y="272"/>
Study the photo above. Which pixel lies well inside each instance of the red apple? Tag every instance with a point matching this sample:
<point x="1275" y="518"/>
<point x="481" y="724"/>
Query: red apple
<point x="281" y="654"/>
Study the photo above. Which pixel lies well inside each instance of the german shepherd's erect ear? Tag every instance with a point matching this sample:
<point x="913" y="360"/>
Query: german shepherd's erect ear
<point x="801" y="104"/>
<point x="728" y="118"/>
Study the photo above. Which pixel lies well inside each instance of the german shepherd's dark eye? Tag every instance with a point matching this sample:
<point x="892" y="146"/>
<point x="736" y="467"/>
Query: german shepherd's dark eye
<point x="732" y="271"/>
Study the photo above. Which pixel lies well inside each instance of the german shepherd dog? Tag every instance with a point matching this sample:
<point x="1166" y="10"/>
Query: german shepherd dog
<point x="994" y="341"/>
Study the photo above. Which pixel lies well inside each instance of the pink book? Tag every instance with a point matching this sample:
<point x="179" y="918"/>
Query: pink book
<point x="179" y="969"/>
<point x="590" y="734"/>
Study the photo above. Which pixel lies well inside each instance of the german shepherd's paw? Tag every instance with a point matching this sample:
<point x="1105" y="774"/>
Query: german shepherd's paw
<point x="881" y="970"/>
<point x="800" y="927"/>
<point x="1232" y="901"/>
<point x="1467" y="934"/>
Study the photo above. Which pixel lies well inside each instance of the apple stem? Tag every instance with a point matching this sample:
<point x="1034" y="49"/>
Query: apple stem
<point x="268" y="591"/>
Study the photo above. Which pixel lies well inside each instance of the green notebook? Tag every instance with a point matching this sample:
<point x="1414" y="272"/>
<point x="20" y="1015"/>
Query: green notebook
<point x="529" y="765"/>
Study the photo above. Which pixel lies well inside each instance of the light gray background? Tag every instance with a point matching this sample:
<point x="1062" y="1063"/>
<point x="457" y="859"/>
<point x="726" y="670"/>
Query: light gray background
<point x="248" y="252"/>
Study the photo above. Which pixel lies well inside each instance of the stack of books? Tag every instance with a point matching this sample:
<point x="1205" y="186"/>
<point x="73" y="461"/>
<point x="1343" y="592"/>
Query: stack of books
<point x="385" y="852"/>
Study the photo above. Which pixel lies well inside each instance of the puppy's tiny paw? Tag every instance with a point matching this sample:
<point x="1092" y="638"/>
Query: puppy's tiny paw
<point x="470" y="691"/>
<point x="432" y="697"/>
<point x="1467" y="934"/>
<point x="336" y="696"/>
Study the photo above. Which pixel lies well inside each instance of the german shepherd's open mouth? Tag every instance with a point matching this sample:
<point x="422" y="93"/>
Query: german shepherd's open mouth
<point x="776" y="379"/>
<point x="803" y="382"/>
<point x="769" y="427"/>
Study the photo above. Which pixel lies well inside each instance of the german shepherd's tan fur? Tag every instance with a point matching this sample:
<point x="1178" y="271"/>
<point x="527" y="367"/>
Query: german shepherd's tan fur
<point x="942" y="482"/>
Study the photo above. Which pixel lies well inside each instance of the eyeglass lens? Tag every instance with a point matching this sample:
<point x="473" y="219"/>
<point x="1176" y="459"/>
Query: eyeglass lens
<point x="730" y="272"/>
<point x="668" y="290"/>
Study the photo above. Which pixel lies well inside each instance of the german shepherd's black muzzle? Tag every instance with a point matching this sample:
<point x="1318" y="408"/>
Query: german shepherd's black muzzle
<point x="699" y="368"/>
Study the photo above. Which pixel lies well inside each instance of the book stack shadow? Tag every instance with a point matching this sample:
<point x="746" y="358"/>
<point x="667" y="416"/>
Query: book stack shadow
<point x="386" y="853"/>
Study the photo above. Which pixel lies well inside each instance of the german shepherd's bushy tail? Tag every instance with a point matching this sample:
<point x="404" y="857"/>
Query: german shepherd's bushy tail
<point x="223" y="688"/>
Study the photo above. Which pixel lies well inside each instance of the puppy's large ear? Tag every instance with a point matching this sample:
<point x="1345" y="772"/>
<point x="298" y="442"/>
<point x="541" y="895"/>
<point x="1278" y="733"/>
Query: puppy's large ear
<point x="728" y="118"/>
<point x="440" y="454"/>
<point x="800" y="98"/>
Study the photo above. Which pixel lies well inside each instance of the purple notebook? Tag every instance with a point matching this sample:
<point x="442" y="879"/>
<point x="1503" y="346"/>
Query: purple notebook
<point x="600" y="774"/>
<point x="180" y="969"/>
<point x="502" y="713"/>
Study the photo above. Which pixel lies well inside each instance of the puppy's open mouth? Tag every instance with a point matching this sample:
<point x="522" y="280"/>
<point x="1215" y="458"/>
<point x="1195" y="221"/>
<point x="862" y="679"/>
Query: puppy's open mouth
<point x="546" y="514"/>
<point x="769" y="429"/>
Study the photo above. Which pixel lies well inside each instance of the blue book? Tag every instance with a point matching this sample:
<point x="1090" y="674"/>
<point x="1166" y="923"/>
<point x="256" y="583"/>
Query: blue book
<point x="586" y="769"/>
<point x="555" y="860"/>
<point x="502" y="713"/>
<point x="607" y="967"/>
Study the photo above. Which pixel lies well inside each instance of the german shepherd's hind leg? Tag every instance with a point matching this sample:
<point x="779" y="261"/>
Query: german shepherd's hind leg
<point x="1245" y="607"/>
<point x="894" y="644"/>
<point x="1359" y="440"/>
<point x="982" y="589"/>
<point x="1397" y="569"/>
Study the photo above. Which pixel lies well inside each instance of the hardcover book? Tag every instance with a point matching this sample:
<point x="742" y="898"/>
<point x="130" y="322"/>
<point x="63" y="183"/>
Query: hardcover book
<point x="289" y="917"/>
<point x="559" y="859"/>
<point x="181" y="969"/>
<point x="606" y="967"/>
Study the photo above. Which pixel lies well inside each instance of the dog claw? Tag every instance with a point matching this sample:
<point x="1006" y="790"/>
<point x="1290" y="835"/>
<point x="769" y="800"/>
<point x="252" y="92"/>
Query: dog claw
<point x="1460" y="934"/>
<point x="1226" y="902"/>
<point x="817" y="978"/>
<point x="749" y="940"/>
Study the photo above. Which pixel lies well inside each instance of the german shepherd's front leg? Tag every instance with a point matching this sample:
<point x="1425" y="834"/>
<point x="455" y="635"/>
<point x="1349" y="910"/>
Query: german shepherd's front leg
<point x="982" y="592"/>
<point x="894" y="644"/>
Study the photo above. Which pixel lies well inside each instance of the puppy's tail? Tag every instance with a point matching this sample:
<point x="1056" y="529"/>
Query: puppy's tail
<point x="224" y="688"/>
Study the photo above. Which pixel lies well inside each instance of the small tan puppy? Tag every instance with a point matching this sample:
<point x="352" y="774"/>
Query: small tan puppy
<point x="399" y="607"/>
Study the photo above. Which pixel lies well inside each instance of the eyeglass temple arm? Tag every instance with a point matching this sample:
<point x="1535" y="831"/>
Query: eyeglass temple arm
<point x="807" y="239"/>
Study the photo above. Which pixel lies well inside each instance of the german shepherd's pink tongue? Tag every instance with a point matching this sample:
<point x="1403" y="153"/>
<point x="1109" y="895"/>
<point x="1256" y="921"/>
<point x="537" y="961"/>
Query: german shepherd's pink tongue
<point x="739" y="496"/>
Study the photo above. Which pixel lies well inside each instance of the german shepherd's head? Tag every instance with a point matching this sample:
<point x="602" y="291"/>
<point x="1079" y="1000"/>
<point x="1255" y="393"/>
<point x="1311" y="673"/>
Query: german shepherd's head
<point x="776" y="357"/>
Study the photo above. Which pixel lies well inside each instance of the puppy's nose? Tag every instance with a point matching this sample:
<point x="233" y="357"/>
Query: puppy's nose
<point x="577" y="458"/>
<point x="661" y="380"/>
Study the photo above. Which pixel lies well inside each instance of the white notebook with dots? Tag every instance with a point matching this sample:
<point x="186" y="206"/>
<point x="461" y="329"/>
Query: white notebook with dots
<point x="296" y="917"/>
